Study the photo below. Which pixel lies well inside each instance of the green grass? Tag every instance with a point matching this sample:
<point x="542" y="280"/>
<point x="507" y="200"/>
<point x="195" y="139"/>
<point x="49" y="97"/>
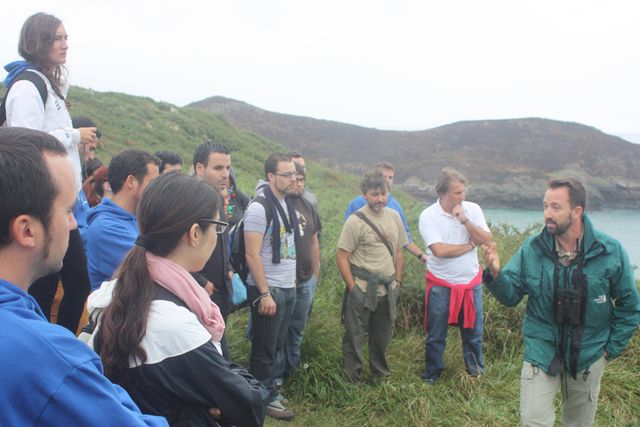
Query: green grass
<point x="320" y="394"/>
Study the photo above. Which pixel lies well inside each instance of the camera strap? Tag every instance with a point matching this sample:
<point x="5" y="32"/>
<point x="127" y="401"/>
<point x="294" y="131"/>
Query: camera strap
<point x="557" y="364"/>
<point x="578" y="285"/>
<point x="574" y="289"/>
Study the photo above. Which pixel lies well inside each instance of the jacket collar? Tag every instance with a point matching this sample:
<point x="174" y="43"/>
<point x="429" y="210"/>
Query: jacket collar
<point x="592" y="246"/>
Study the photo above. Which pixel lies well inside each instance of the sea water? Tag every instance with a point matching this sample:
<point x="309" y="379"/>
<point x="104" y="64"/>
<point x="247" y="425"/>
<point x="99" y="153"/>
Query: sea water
<point x="622" y="224"/>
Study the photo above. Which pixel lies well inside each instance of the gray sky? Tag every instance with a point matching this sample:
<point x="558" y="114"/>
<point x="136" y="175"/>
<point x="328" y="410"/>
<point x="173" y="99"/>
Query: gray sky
<point x="385" y="64"/>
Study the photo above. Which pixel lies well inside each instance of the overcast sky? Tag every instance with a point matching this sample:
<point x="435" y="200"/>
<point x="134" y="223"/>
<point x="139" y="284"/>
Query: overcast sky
<point x="386" y="64"/>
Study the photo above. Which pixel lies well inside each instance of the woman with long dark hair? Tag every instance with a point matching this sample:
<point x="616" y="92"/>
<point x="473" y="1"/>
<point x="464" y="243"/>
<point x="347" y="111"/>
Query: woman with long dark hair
<point x="159" y="334"/>
<point x="36" y="91"/>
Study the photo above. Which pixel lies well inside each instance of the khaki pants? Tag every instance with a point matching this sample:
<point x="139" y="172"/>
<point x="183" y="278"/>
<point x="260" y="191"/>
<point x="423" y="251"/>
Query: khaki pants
<point x="580" y="397"/>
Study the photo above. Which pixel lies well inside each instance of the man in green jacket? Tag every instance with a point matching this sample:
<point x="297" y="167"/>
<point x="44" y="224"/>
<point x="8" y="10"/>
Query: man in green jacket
<point x="582" y="307"/>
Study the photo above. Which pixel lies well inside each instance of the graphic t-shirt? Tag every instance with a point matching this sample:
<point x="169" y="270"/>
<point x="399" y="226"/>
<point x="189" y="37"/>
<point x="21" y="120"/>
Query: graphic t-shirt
<point x="282" y="275"/>
<point x="309" y="224"/>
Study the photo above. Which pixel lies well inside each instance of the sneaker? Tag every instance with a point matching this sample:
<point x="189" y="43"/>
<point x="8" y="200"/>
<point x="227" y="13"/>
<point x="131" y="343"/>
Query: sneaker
<point x="281" y="398"/>
<point x="430" y="381"/>
<point x="278" y="411"/>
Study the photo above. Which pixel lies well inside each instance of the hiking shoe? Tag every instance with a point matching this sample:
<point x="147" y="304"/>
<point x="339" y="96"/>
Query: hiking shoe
<point x="278" y="411"/>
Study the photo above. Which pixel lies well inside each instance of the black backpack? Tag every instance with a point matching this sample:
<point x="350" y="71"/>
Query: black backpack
<point x="37" y="82"/>
<point x="237" y="256"/>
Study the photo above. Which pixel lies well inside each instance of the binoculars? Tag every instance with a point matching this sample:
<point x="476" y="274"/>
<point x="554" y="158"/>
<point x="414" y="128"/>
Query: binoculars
<point x="569" y="303"/>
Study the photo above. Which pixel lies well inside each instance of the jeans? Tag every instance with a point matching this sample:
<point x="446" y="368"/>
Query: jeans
<point x="288" y="359"/>
<point x="268" y="334"/>
<point x="222" y="299"/>
<point x="437" y="325"/>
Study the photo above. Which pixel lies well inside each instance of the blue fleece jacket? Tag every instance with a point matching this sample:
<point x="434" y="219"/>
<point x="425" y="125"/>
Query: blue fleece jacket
<point x="112" y="232"/>
<point x="50" y="378"/>
<point x="392" y="203"/>
<point x="80" y="211"/>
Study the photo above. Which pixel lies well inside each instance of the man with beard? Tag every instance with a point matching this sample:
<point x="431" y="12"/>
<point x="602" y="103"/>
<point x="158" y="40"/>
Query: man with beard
<point x="389" y="174"/>
<point x="307" y="274"/>
<point x="270" y="250"/>
<point x="49" y="376"/>
<point x="451" y="229"/>
<point x="370" y="261"/>
<point x="212" y="164"/>
<point x="582" y="307"/>
<point x="308" y="195"/>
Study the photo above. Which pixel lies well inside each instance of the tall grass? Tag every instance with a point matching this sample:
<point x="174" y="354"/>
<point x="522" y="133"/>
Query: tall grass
<point x="320" y="394"/>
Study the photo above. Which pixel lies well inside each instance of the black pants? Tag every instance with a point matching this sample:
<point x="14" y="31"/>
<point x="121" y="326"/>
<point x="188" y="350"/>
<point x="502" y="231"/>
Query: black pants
<point x="75" y="282"/>
<point x="223" y="301"/>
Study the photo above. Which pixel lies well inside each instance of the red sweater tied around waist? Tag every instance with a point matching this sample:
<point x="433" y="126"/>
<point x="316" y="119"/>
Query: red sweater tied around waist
<point x="461" y="298"/>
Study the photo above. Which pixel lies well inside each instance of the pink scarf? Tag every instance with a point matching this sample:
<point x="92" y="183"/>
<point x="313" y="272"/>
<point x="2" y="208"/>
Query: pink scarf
<point x="179" y="282"/>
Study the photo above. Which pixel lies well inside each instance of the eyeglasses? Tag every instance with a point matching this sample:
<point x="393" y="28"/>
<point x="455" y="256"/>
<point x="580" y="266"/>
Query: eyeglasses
<point x="290" y="175"/>
<point x="221" y="226"/>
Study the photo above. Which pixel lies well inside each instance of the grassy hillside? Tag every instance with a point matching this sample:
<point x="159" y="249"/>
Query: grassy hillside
<point x="135" y="122"/>
<point x="319" y="393"/>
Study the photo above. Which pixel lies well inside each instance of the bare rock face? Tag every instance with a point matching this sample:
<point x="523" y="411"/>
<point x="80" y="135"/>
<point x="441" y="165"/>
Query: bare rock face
<point x="507" y="162"/>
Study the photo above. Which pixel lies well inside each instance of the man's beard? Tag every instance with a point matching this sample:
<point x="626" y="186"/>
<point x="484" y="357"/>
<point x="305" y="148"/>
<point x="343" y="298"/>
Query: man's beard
<point x="560" y="229"/>
<point x="376" y="207"/>
<point x="46" y="265"/>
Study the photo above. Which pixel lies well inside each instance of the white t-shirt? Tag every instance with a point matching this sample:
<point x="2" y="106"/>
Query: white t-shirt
<point x="437" y="226"/>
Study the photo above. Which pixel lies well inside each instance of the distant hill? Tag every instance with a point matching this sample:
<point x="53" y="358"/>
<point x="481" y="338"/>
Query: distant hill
<point x="631" y="137"/>
<point x="506" y="161"/>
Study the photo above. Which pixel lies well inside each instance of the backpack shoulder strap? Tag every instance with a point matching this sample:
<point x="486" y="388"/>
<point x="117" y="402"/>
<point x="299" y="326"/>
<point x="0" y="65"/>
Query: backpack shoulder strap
<point x="37" y="81"/>
<point x="310" y="206"/>
<point x="266" y="206"/>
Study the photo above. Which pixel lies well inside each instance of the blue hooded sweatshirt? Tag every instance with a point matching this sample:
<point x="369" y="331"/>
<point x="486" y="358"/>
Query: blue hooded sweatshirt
<point x="14" y="69"/>
<point x="112" y="232"/>
<point x="80" y="212"/>
<point x="49" y="377"/>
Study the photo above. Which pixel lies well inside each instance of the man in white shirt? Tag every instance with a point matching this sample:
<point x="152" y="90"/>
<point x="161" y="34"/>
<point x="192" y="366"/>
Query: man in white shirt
<point x="451" y="229"/>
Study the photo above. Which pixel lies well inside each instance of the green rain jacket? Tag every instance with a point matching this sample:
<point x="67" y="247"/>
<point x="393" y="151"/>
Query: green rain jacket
<point x="612" y="308"/>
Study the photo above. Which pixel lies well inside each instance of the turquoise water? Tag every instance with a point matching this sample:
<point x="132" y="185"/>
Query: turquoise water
<point x="623" y="224"/>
